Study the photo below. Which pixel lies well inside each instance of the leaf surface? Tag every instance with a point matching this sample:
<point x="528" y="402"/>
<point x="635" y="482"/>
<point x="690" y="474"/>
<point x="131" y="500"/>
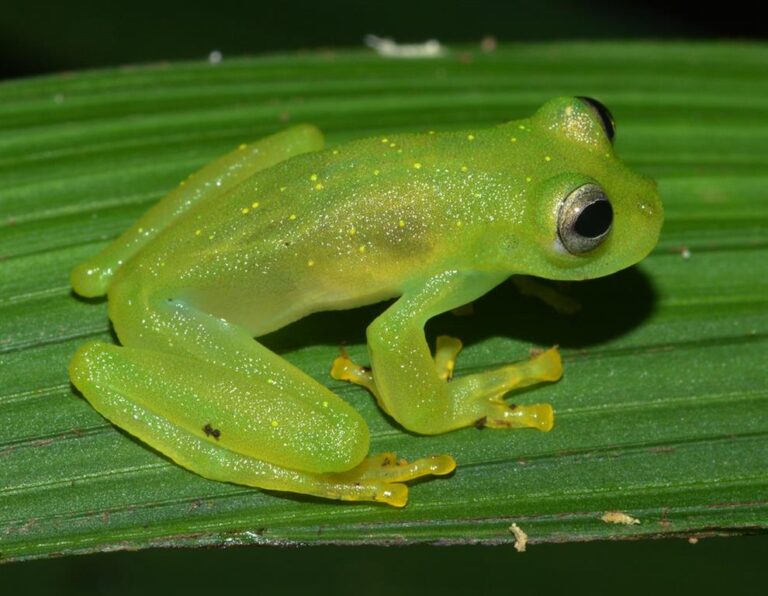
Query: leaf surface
<point x="663" y="410"/>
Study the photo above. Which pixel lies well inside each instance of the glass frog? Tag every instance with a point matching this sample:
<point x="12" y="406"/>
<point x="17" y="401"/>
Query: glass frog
<point x="282" y="228"/>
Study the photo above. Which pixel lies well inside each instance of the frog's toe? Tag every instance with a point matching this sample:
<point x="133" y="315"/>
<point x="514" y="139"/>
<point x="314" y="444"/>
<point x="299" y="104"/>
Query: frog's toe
<point x="345" y="369"/>
<point x="538" y="416"/>
<point x="388" y="467"/>
<point x="446" y="351"/>
<point x="544" y="366"/>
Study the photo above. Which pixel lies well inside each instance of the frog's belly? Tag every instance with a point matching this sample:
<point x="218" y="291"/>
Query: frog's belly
<point x="263" y="309"/>
<point x="263" y="290"/>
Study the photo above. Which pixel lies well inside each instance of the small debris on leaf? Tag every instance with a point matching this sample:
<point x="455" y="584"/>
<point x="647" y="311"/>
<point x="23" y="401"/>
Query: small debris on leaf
<point x="619" y="517"/>
<point x="521" y="538"/>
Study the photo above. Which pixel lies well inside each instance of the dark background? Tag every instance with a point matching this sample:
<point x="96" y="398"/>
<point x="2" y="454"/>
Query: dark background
<point x="39" y="36"/>
<point x="46" y="37"/>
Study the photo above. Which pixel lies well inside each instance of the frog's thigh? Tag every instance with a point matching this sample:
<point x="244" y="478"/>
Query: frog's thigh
<point x="92" y="277"/>
<point x="414" y="390"/>
<point x="226" y="427"/>
<point x="314" y="431"/>
<point x="160" y="325"/>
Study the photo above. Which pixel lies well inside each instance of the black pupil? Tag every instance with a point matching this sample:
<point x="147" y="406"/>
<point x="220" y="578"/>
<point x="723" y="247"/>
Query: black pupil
<point x="594" y="220"/>
<point x="605" y="116"/>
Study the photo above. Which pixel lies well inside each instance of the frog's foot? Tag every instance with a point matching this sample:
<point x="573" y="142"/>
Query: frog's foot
<point x="480" y="396"/>
<point x="381" y="477"/>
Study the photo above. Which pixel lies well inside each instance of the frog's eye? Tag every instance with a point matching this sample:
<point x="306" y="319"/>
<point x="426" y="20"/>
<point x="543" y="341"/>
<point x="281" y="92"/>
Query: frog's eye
<point x="584" y="219"/>
<point x="606" y="118"/>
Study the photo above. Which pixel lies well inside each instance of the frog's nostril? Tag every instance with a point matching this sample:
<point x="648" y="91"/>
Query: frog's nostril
<point x="649" y="204"/>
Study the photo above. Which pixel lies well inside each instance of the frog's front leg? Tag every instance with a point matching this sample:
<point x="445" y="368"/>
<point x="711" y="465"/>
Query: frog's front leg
<point x="207" y="395"/>
<point x="92" y="277"/>
<point x="412" y="386"/>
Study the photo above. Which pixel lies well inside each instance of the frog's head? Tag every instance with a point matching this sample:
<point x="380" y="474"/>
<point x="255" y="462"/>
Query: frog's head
<point x="587" y="214"/>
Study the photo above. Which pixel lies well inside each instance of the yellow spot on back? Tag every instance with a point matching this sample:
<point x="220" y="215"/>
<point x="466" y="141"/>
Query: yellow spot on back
<point x="459" y="224"/>
<point x="325" y="404"/>
<point x="198" y="232"/>
<point x="310" y="263"/>
<point x="376" y="172"/>
<point x="282" y="188"/>
<point x="392" y="145"/>
<point x="255" y="204"/>
<point x="352" y="231"/>
<point x="528" y="178"/>
<point x="470" y="137"/>
<point x="431" y="132"/>
<point x="513" y="139"/>
<point x="464" y="168"/>
<point x="313" y="177"/>
<point x="547" y="158"/>
<point x="361" y="249"/>
<point x="242" y="146"/>
<point x="319" y="186"/>
<point x="140" y="230"/>
<point x="335" y="151"/>
<point x="275" y="424"/>
<point x="292" y="216"/>
<point x="401" y="223"/>
<point x="417" y="165"/>
<point x="385" y="140"/>
<point x="521" y="126"/>
<point x="210" y="237"/>
<point x="244" y="210"/>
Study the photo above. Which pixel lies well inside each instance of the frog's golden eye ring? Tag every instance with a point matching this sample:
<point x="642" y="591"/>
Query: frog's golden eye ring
<point x="584" y="219"/>
<point x="606" y="118"/>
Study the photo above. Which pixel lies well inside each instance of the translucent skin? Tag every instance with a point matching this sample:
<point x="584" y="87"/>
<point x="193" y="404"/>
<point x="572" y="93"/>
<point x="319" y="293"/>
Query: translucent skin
<point x="281" y="228"/>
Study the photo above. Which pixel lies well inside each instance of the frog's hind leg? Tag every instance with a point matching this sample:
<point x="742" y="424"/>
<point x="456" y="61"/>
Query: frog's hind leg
<point x="217" y="401"/>
<point x="92" y="277"/>
<point x="228" y="427"/>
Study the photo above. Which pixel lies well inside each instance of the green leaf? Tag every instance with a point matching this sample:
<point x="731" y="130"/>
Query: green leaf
<point x="663" y="410"/>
